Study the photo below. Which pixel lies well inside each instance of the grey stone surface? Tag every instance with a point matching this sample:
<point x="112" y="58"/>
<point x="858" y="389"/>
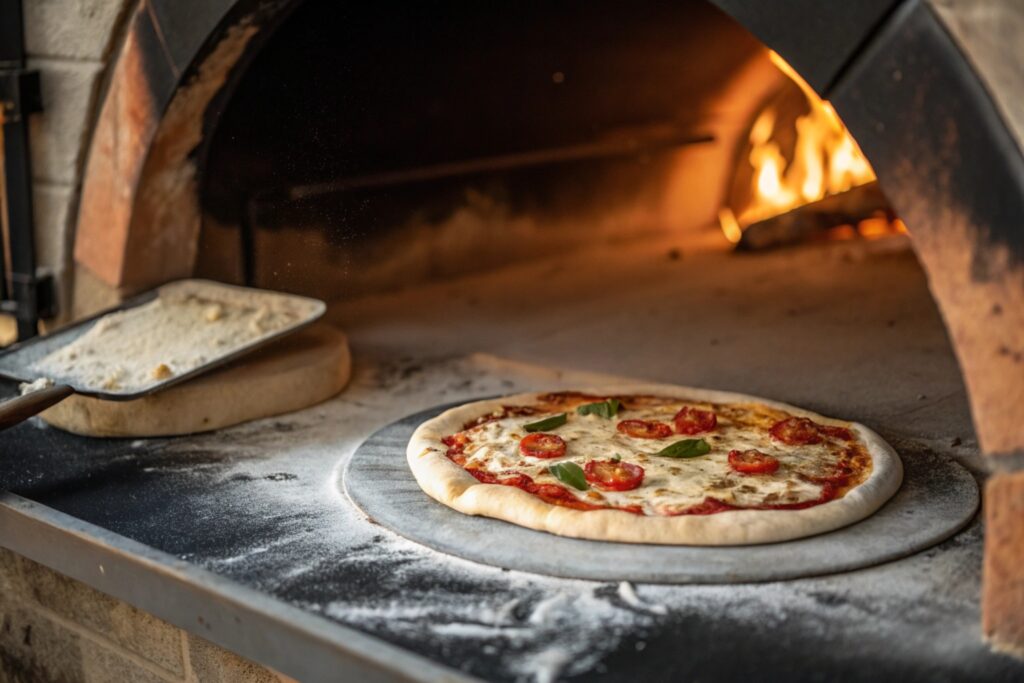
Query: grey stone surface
<point x="937" y="499"/>
<point x="132" y="629"/>
<point x="51" y="204"/>
<point x="58" y="134"/>
<point x="77" y="29"/>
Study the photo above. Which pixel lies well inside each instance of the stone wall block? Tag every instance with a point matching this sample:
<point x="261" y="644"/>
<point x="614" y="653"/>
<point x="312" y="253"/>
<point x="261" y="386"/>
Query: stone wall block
<point x="212" y="664"/>
<point x="100" y="665"/>
<point x="11" y="585"/>
<point x="132" y="629"/>
<point x="33" y="648"/>
<point x="51" y="204"/>
<point x="58" y="134"/>
<point x="74" y="29"/>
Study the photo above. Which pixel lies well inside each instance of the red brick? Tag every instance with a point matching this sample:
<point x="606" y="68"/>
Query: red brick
<point x="1003" y="579"/>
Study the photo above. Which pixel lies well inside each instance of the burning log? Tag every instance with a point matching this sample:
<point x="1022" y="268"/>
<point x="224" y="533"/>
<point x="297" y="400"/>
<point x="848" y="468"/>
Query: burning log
<point x="811" y="221"/>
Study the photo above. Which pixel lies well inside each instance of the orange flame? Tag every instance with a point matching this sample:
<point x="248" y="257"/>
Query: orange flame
<point x="826" y="160"/>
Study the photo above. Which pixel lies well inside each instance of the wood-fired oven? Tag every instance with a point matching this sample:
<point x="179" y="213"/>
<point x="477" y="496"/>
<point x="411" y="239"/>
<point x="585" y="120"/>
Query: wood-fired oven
<point x="594" y="187"/>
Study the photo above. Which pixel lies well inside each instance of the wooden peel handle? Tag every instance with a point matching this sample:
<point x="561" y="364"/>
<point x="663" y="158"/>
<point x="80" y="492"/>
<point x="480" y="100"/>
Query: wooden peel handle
<point x="17" y="410"/>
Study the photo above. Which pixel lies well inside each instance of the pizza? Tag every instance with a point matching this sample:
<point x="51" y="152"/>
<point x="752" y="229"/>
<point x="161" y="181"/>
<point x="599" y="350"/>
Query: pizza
<point x="654" y="464"/>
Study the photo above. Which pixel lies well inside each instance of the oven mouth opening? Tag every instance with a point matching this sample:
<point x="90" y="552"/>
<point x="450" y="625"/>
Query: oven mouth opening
<point x="602" y="191"/>
<point x="346" y="170"/>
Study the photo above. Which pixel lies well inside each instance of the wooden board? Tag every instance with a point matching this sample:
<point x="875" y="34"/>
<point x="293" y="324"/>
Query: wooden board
<point x="299" y="371"/>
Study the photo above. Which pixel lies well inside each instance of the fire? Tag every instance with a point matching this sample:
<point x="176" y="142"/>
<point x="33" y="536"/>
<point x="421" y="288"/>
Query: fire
<point x="825" y="160"/>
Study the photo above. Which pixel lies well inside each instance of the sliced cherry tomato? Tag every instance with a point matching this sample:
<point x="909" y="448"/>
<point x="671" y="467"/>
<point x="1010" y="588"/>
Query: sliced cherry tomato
<point x="541" y="445"/>
<point x="694" y="421"/>
<point x="796" y="431"/>
<point x="644" y="429"/>
<point x="613" y="476"/>
<point x="752" y="462"/>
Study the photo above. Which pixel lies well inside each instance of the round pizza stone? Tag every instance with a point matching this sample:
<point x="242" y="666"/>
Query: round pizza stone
<point x="937" y="498"/>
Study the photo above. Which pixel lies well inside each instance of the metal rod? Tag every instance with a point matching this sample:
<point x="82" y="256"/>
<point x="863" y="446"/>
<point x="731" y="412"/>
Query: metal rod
<point x="583" y="152"/>
<point x="19" y="96"/>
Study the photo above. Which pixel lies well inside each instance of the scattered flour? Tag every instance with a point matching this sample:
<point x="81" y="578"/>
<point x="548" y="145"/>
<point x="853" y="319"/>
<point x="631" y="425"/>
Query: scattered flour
<point x="628" y="595"/>
<point x="37" y="385"/>
<point x="323" y="555"/>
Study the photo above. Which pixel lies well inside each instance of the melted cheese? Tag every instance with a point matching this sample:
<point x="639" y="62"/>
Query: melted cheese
<point x="670" y="485"/>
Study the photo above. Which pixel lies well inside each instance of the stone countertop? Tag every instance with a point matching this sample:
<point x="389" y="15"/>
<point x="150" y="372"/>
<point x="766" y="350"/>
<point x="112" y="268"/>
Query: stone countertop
<point x="259" y="506"/>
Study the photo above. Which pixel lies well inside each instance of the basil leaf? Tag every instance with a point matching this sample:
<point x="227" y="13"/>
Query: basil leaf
<point x="606" y="409"/>
<point x="570" y="473"/>
<point x="687" y="448"/>
<point x="547" y="423"/>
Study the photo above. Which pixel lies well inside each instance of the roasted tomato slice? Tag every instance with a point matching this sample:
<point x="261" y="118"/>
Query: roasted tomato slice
<point x="796" y="431"/>
<point x="644" y="429"/>
<point x="694" y="421"/>
<point x="613" y="476"/>
<point x="541" y="445"/>
<point x="752" y="462"/>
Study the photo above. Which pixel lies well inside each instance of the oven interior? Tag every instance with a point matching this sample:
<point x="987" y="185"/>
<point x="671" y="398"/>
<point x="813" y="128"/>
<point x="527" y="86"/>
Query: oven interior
<point x="556" y="198"/>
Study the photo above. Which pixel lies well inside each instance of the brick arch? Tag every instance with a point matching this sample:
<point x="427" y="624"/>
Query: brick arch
<point x="138" y="218"/>
<point x="950" y="160"/>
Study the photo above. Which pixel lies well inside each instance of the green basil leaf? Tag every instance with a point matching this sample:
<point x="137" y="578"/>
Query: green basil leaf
<point x="547" y="423"/>
<point x="606" y="409"/>
<point x="687" y="448"/>
<point x="570" y="473"/>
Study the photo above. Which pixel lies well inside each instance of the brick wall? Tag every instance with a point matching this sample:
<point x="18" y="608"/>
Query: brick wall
<point x="53" y="628"/>
<point x="70" y="42"/>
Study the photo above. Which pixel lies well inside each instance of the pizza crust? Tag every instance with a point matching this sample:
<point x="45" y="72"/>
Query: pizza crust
<point x="448" y="483"/>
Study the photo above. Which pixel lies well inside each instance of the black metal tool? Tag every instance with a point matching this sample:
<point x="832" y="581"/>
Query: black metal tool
<point x="22" y="293"/>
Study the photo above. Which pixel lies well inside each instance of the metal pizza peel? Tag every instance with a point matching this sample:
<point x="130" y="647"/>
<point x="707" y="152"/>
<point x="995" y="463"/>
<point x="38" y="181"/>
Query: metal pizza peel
<point x="17" y="360"/>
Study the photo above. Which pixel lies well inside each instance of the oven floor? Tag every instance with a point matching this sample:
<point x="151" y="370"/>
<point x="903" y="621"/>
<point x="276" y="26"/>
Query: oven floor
<point x="840" y="329"/>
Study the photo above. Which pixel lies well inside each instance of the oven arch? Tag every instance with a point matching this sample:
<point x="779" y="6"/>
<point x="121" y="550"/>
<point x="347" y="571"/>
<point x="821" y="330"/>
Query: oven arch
<point x="943" y="150"/>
